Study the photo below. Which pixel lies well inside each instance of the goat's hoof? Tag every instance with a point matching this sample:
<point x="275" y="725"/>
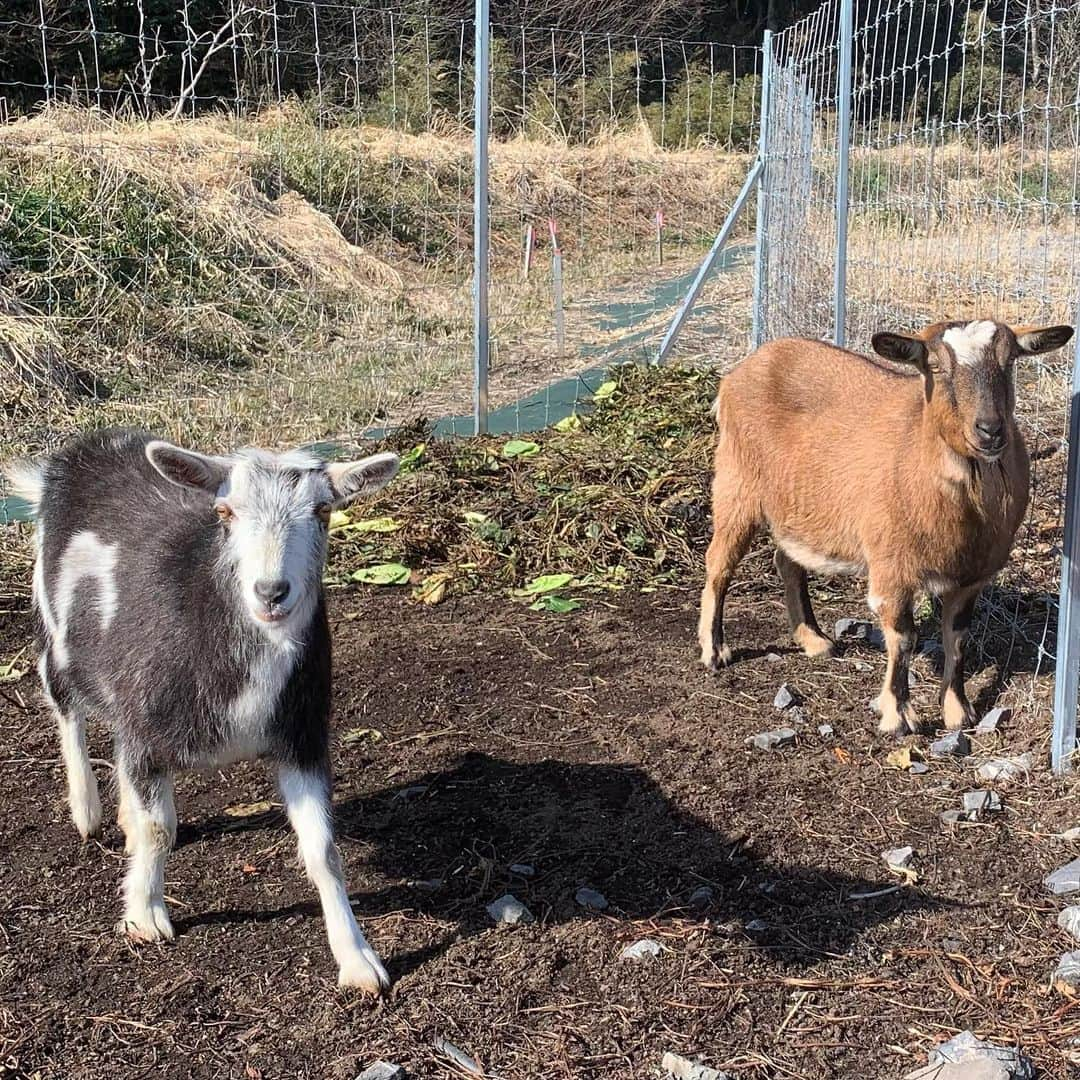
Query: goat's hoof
<point x="717" y="659"/>
<point x="898" y="720"/>
<point x="147" y="926"/>
<point x="87" y="816"/>
<point x="957" y="714"/>
<point x="814" y="645"/>
<point x="364" y="973"/>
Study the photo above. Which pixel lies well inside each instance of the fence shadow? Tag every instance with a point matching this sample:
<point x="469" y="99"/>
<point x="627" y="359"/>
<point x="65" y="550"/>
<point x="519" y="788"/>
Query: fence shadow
<point x="450" y="837"/>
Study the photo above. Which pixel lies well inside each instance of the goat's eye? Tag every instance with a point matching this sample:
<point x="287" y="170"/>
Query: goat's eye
<point x="224" y="513"/>
<point x="322" y="512"/>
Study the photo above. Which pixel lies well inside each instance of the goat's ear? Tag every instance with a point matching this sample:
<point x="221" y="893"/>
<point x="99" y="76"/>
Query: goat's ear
<point x="186" y="468"/>
<point x="1041" y="339"/>
<point x="351" y="479"/>
<point x="901" y="349"/>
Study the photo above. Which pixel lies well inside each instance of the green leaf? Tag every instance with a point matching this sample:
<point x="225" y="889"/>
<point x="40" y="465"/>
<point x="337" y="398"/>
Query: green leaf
<point x="520" y="448"/>
<point x="547" y="583"/>
<point x="377" y="525"/>
<point x="475" y="517"/>
<point x="411" y="458"/>
<point x="390" y="573"/>
<point x="569" y="423"/>
<point x="556" y="605"/>
<point x="605" y="390"/>
<point x="338" y="520"/>
<point x="360" y="734"/>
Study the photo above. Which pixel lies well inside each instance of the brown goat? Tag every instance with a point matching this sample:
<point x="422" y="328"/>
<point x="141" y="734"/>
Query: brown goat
<point x="916" y="478"/>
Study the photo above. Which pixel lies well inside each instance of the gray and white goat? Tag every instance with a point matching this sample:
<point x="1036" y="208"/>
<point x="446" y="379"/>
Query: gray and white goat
<point x="180" y="600"/>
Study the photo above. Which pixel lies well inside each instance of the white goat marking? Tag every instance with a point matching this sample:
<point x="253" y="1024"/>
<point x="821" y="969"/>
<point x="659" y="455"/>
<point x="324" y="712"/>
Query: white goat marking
<point x="308" y="805"/>
<point x="814" y="561"/>
<point x="874" y="602"/>
<point x="251" y="710"/>
<point x="970" y="342"/>
<point x="84" y="557"/>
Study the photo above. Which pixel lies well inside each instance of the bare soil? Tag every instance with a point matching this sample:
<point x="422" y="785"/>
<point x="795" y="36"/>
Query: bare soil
<point x="593" y="748"/>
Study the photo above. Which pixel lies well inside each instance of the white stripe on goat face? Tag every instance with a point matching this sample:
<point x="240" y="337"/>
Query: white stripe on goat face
<point x="276" y="537"/>
<point x="970" y="342"/>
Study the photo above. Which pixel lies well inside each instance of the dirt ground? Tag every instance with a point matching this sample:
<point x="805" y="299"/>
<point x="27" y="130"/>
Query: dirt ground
<point x="594" y="749"/>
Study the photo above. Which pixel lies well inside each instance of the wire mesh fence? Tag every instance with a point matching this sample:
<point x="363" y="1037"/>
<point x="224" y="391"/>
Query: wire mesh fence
<point x="259" y="225"/>
<point x="964" y="167"/>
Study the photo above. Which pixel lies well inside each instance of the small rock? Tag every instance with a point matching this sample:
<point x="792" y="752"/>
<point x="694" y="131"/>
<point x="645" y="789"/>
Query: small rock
<point x="874" y="705"/>
<point x="825" y="730"/>
<point x="428" y="884"/>
<point x="591" y="899"/>
<point x="684" y="1069"/>
<point x="1066" y="879"/>
<point x="876" y="638"/>
<point x="774" y="658"/>
<point x="409" y="793"/>
<point x="794" y="715"/>
<point x="645" y="949"/>
<point x="1069" y="920"/>
<point x="954" y="744"/>
<point x="772" y="740"/>
<point x="382" y="1070"/>
<point x="918" y="768"/>
<point x="508" y="910"/>
<point x="853" y="629"/>
<point x="755" y="926"/>
<point x="861" y="665"/>
<point x="993" y="721"/>
<point x="1067" y="975"/>
<point x="785" y="698"/>
<point x="953" y="817"/>
<point x="1070" y="835"/>
<point x="1006" y="769"/>
<point x="458" y="1057"/>
<point x="912" y="678"/>
<point x="931" y="648"/>
<point x="702" y="896"/>
<point x="981" y="802"/>
<point x="522" y="869"/>
<point x="898" y="858"/>
<point x="966" y="1058"/>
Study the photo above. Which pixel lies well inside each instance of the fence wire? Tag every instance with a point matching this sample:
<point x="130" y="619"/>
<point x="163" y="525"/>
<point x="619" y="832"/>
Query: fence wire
<point x="964" y="167"/>
<point x="259" y="226"/>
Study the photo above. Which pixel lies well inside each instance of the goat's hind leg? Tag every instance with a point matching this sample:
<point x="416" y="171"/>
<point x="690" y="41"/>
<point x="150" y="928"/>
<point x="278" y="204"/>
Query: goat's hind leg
<point x="149" y="822"/>
<point x="82" y="786"/>
<point x="735" y="521"/>
<point x="306" y="792"/>
<point x="804" y="626"/>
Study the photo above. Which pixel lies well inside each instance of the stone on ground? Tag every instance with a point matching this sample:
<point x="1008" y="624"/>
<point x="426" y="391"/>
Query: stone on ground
<point x="1069" y="920"/>
<point x="1006" y="768"/>
<point x="645" y="949"/>
<point x="522" y="869"/>
<point x="508" y="910"/>
<point x="382" y="1070"/>
<point x="993" y="721"/>
<point x="702" y="896"/>
<point x="772" y="740"/>
<point x="955" y="744"/>
<point x="785" y="698"/>
<point x="684" y="1069"/>
<point x="591" y="899"/>
<point x="1067" y="975"/>
<point x="966" y="1058"/>
<point x="898" y="858"/>
<point x="1065" y="879"/>
<point x="981" y="802"/>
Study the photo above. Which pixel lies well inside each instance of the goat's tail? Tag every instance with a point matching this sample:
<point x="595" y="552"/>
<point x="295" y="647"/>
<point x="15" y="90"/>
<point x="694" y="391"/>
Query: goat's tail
<point x="26" y="479"/>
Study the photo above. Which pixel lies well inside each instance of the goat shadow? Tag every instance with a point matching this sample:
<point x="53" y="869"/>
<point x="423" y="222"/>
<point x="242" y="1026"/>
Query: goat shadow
<point x="448" y="839"/>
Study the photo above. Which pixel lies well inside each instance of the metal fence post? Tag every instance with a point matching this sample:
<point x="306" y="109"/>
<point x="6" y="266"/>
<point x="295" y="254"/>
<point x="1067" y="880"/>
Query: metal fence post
<point x="481" y="84"/>
<point x="843" y="119"/>
<point x="1067" y="667"/>
<point x="761" y="253"/>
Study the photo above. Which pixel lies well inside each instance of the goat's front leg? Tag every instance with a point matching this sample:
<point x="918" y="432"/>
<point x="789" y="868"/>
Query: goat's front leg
<point x="307" y="800"/>
<point x="150" y="828"/>
<point x="898" y="623"/>
<point x="956" y="610"/>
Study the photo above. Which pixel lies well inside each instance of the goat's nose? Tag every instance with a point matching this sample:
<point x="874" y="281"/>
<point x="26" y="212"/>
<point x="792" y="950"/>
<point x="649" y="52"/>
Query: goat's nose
<point x="272" y="591"/>
<point x="992" y="430"/>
